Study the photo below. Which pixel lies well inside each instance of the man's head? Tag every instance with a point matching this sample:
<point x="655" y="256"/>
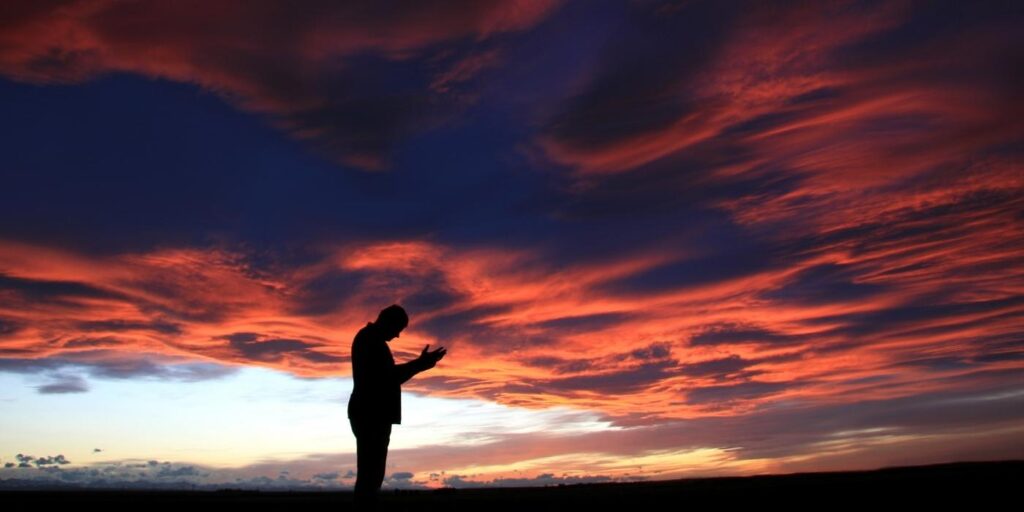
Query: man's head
<point x="391" y="321"/>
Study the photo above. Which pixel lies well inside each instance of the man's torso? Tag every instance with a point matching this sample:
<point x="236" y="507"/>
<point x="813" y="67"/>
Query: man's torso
<point x="376" y="396"/>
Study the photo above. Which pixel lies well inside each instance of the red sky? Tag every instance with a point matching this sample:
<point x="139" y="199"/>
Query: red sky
<point x="774" y="232"/>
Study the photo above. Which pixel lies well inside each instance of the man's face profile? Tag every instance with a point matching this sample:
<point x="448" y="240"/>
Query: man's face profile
<point x="390" y="332"/>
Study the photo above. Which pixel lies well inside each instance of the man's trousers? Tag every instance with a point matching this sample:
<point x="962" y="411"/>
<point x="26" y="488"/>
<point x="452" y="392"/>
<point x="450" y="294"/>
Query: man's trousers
<point x="372" y="439"/>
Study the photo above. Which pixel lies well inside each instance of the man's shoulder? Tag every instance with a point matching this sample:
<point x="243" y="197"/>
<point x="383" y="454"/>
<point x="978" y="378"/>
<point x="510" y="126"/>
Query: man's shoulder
<point x="364" y="330"/>
<point x="366" y="335"/>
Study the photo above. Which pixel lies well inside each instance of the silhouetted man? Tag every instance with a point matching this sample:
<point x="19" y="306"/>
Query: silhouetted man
<point x="376" y="401"/>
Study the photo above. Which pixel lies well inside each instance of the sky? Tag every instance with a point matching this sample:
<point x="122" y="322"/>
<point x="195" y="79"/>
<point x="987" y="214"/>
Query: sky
<point x="658" y="239"/>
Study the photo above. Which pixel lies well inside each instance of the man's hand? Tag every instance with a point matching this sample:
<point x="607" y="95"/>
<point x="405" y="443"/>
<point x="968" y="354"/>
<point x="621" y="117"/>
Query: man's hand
<point x="429" y="359"/>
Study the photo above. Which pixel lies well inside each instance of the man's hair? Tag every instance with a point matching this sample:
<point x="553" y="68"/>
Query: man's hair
<point x="393" y="315"/>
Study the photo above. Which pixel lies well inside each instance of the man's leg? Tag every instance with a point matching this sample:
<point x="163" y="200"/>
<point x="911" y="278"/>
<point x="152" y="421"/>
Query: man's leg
<point x="372" y="440"/>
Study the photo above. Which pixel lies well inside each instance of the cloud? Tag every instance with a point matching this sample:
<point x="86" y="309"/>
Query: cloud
<point x="742" y="391"/>
<point x="659" y="350"/>
<point x="179" y="472"/>
<point x="464" y="69"/>
<point x="27" y="461"/>
<point x="503" y="316"/>
<point x="324" y="73"/>
<point x="732" y="333"/>
<point x="44" y="461"/>
<point x="777" y="438"/>
<point x="734" y="210"/>
<point x="582" y="323"/>
<point x="104" y="364"/>
<point x="725" y="366"/>
<point x="122" y="325"/>
<point x="250" y="346"/>
<point x="65" y="384"/>
<point x="621" y="381"/>
<point x="827" y="282"/>
<point x="58" y="473"/>
<point x="741" y="77"/>
<point x="543" y="480"/>
<point x="52" y="290"/>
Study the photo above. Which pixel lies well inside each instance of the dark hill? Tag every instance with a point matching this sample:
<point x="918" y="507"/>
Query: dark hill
<point x="976" y="485"/>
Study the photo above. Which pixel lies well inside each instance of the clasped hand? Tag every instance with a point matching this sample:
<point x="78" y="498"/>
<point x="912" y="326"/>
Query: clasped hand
<point x="429" y="359"/>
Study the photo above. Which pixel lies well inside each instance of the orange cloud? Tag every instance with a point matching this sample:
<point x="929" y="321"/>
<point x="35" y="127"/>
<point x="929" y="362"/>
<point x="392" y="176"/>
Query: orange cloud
<point x="877" y="212"/>
<point x="529" y="334"/>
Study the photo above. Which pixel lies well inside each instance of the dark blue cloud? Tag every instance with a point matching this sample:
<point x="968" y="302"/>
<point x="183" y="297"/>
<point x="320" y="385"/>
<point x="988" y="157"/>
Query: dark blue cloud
<point x="924" y="29"/>
<point x="825" y="283"/>
<point x="648" y="57"/>
<point x="259" y="348"/>
<point x="719" y="367"/>
<point x="109" y="365"/>
<point x="734" y="263"/>
<point x="654" y="359"/>
<point x="583" y="323"/>
<point x="65" y="384"/>
<point x="654" y="351"/>
<point x="470" y="324"/>
<point x="47" y="290"/>
<point x="559" y="365"/>
<point x="916" y="314"/>
<point x="750" y="390"/>
<point x="161" y="327"/>
<point x="733" y="333"/>
<point x="622" y="381"/>
<point x="8" y="326"/>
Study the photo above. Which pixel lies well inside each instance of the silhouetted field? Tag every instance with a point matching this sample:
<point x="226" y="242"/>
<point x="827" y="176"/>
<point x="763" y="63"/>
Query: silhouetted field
<point x="973" y="485"/>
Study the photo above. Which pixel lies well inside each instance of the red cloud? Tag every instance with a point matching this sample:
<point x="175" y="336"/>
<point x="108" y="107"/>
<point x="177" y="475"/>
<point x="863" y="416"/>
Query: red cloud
<point x="527" y="333"/>
<point x="892" y="267"/>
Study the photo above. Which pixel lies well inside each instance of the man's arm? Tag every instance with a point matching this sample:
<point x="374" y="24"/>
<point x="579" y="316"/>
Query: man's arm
<point x="405" y="371"/>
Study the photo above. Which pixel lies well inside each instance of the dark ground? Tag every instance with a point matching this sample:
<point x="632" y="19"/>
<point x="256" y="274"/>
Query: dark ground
<point x="961" y="485"/>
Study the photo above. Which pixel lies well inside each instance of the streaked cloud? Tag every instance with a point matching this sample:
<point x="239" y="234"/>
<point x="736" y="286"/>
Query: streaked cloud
<point x="325" y="73"/>
<point x="737" y="237"/>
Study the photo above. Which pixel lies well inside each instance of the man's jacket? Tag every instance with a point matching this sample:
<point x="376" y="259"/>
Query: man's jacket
<point x="377" y="390"/>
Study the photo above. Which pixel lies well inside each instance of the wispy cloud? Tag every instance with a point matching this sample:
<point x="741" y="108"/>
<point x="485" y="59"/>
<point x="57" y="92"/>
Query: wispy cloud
<point x="732" y="229"/>
<point x="304" y="68"/>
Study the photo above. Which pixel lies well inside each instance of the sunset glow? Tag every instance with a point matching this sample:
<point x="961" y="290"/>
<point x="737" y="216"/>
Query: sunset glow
<point x="658" y="239"/>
